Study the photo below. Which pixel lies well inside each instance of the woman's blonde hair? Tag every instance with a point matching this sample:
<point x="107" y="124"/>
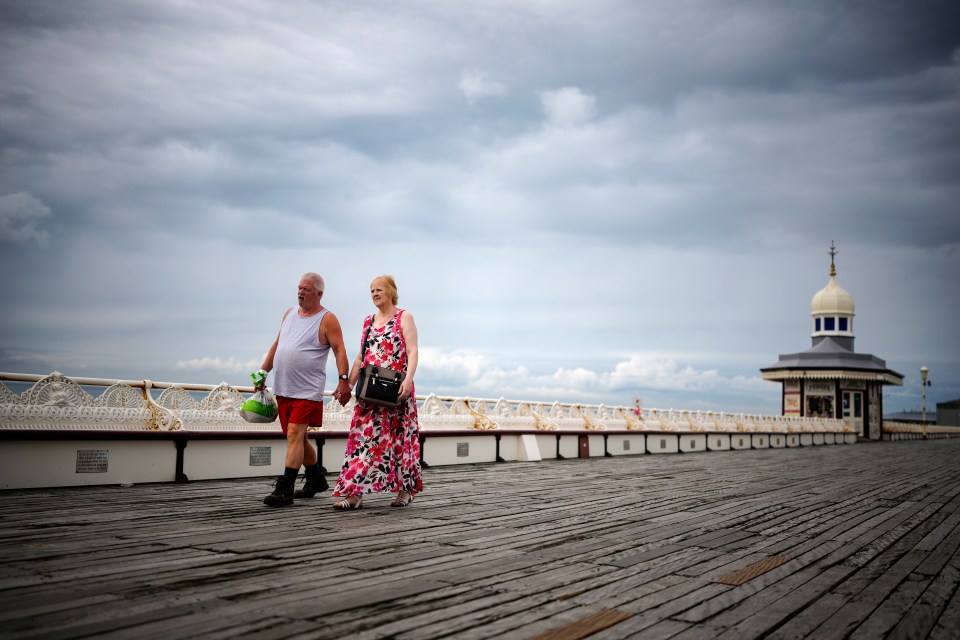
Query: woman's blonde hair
<point x="390" y="285"/>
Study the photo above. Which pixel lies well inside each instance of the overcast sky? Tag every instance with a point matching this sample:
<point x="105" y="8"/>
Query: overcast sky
<point x="580" y="201"/>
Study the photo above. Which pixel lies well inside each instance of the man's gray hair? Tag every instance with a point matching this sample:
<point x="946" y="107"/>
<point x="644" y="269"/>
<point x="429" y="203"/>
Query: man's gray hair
<point x="316" y="279"/>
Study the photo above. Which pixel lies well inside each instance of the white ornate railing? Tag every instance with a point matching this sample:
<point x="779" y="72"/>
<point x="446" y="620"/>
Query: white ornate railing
<point x="58" y="402"/>
<point x="894" y="429"/>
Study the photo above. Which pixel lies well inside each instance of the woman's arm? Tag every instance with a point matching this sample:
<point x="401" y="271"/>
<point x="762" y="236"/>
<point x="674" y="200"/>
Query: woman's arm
<point x="358" y="362"/>
<point x="409" y="329"/>
<point x="355" y="371"/>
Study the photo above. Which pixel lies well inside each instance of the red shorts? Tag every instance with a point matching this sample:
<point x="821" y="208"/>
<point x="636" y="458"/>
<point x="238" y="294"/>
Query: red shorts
<point x="299" y="411"/>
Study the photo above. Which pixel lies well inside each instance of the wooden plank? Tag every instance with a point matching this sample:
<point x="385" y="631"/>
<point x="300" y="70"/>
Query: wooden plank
<point x="949" y="620"/>
<point x="892" y="609"/>
<point x="660" y="630"/>
<point x="781" y="601"/>
<point x="850" y="558"/>
<point x="451" y="609"/>
<point x="586" y="626"/>
<point x="650" y="554"/>
<point x="870" y="594"/>
<point x="751" y="571"/>
<point x="509" y="550"/>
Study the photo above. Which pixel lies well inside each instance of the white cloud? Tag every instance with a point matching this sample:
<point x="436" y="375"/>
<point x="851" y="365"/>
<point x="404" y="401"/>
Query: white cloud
<point x="574" y="378"/>
<point x="20" y="218"/>
<point x="567" y="106"/>
<point x="663" y="373"/>
<point x="470" y="373"/>
<point x="229" y="365"/>
<point x="453" y="368"/>
<point x="475" y="85"/>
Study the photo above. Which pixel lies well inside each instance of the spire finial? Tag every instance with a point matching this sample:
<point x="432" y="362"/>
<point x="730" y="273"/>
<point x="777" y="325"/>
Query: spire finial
<point x="833" y="251"/>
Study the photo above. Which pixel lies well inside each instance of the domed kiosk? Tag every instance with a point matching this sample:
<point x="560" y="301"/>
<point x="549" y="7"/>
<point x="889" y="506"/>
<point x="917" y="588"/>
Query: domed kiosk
<point x="830" y="379"/>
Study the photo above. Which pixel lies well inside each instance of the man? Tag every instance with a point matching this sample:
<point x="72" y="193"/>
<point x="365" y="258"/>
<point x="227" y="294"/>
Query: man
<point x="307" y="334"/>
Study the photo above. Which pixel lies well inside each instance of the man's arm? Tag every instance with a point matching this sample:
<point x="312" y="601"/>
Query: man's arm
<point x="268" y="360"/>
<point x="332" y="334"/>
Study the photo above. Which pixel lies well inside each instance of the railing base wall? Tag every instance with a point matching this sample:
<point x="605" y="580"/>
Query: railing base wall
<point x="61" y="458"/>
<point x="895" y="437"/>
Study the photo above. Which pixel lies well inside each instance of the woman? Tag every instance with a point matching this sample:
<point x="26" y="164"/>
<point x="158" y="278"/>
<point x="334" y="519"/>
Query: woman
<point x="383" y="448"/>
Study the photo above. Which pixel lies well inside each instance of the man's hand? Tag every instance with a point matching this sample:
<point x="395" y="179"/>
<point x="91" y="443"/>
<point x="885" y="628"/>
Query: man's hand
<point x="342" y="394"/>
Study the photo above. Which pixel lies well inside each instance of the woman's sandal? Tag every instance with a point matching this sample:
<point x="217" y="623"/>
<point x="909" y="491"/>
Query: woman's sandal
<point x="402" y="501"/>
<point x="347" y="503"/>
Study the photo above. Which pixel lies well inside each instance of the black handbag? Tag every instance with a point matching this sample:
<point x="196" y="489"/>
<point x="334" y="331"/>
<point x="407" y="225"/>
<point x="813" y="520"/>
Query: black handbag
<point x="378" y="385"/>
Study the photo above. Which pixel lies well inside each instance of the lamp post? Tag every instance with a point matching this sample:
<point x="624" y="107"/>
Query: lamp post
<point x="924" y="383"/>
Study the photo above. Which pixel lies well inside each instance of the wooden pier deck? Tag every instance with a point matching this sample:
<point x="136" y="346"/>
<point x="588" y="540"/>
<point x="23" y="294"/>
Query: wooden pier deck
<point x="855" y="541"/>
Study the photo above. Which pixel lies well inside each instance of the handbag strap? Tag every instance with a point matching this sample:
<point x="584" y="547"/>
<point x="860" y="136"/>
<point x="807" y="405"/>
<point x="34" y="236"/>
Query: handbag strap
<point x="366" y="336"/>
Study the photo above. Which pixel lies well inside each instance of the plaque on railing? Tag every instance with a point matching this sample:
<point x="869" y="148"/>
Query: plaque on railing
<point x="260" y="456"/>
<point x="92" y="460"/>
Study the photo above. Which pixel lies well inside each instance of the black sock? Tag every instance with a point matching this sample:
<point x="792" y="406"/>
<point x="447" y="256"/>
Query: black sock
<point x="290" y="475"/>
<point x="313" y="470"/>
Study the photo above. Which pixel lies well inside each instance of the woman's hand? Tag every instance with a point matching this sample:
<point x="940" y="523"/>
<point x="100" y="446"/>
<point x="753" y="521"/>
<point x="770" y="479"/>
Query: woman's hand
<point x="406" y="387"/>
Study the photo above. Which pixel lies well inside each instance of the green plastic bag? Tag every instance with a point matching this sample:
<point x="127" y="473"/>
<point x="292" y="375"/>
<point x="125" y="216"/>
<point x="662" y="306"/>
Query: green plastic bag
<point x="261" y="406"/>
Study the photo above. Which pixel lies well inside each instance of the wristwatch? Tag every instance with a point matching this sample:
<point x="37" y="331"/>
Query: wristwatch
<point x="344" y="376"/>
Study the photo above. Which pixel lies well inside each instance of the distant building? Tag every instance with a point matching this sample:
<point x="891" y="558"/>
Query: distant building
<point x="830" y="379"/>
<point x="948" y="413"/>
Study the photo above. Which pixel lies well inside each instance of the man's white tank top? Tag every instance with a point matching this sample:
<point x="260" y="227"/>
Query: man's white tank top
<point x="300" y="363"/>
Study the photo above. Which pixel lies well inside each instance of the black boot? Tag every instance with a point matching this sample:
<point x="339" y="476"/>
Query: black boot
<point x="314" y="484"/>
<point x="282" y="495"/>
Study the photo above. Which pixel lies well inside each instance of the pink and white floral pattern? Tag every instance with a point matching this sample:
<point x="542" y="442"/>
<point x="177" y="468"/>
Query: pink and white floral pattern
<point x="383" y="448"/>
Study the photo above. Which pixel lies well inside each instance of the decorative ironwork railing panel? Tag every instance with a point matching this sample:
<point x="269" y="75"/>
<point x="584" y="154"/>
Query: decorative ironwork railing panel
<point x="62" y="403"/>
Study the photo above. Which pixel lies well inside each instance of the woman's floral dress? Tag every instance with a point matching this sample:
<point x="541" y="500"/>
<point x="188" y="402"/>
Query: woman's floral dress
<point x="383" y="448"/>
